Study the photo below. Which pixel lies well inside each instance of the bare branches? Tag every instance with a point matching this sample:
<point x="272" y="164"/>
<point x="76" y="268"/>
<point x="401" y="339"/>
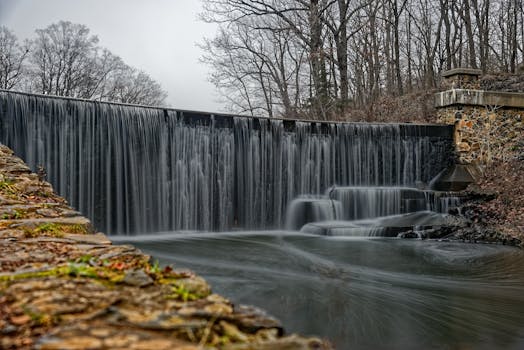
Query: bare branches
<point x="12" y="59"/>
<point x="64" y="59"/>
<point x="344" y="54"/>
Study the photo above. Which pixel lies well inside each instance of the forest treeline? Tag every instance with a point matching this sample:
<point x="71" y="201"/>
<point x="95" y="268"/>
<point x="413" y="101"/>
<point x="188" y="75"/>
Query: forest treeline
<point x="314" y="59"/>
<point x="322" y="59"/>
<point x="64" y="59"/>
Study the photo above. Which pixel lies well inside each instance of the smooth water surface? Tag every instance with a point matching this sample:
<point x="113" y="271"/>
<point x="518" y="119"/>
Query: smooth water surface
<point x="363" y="293"/>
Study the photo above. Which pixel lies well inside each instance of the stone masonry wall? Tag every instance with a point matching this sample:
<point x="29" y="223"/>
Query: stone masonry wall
<point x="461" y="81"/>
<point x="489" y="125"/>
<point x="485" y="134"/>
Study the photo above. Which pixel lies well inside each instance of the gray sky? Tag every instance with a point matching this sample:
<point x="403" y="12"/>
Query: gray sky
<point x="157" y="36"/>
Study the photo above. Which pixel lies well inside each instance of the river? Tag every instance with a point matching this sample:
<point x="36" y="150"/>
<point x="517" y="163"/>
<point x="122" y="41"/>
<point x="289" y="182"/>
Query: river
<point x="362" y="293"/>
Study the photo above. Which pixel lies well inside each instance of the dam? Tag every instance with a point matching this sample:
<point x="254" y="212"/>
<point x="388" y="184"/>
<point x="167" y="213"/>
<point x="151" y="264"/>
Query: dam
<point x="291" y="216"/>
<point x="136" y="169"/>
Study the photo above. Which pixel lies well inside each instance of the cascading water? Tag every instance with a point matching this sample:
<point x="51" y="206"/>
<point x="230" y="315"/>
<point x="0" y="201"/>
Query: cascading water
<point x="138" y="169"/>
<point x="377" y="211"/>
<point x="370" y="202"/>
<point x="304" y="210"/>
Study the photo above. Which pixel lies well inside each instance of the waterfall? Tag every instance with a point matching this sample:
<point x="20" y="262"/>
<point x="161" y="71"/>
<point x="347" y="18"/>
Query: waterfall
<point x="305" y="209"/>
<point x="368" y="202"/>
<point x="371" y="202"/>
<point x="135" y="169"/>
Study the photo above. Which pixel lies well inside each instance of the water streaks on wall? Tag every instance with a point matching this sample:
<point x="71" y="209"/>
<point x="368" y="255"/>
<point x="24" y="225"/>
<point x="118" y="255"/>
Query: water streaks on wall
<point x="138" y="169"/>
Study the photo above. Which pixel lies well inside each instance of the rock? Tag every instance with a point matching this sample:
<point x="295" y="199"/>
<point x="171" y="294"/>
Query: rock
<point x="137" y="278"/>
<point x="76" y="343"/>
<point x="410" y="234"/>
<point x="65" y="225"/>
<point x="9" y="329"/>
<point x="232" y="332"/>
<point x="67" y="213"/>
<point x="120" y="341"/>
<point x="19" y="168"/>
<point x="48" y="213"/>
<point x="98" y="239"/>
<point x="251" y="319"/>
<point x="456" y="178"/>
<point x="219" y="309"/>
<point x="287" y="343"/>
<point x="100" y="332"/>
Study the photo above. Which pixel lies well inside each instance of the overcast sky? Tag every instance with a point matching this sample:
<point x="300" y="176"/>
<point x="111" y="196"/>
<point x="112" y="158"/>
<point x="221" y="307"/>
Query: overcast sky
<point x="157" y="36"/>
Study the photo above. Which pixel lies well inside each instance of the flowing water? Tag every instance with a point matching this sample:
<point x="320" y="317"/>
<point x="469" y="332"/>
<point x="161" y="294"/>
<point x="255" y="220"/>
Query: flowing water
<point x="364" y="293"/>
<point x="136" y="169"/>
<point x="364" y="202"/>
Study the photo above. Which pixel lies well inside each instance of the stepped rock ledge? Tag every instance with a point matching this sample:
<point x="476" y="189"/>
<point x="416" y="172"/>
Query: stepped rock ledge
<point x="64" y="286"/>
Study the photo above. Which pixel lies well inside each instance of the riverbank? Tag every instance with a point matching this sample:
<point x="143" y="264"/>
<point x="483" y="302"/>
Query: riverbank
<point x="492" y="210"/>
<point x="64" y="286"/>
<point x="494" y="207"/>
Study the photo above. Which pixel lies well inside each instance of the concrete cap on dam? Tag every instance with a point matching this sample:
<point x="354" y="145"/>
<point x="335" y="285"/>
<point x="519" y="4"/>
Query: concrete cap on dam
<point x="470" y="97"/>
<point x="463" y="88"/>
<point x="224" y="120"/>
<point x="461" y="71"/>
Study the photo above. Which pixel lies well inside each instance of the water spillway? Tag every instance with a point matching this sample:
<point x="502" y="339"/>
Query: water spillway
<point x="365" y="202"/>
<point x="145" y="169"/>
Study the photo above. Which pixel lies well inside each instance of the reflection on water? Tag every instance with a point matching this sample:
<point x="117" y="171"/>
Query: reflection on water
<point x="361" y="292"/>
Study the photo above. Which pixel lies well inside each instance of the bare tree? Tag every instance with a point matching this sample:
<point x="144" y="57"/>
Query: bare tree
<point x="136" y="87"/>
<point x="332" y="55"/>
<point x="304" y="23"/>
<point x="12" y="57"/>
<point x="62" y="59"/>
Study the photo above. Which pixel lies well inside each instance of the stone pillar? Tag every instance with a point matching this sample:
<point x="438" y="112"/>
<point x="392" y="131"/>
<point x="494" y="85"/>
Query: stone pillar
<point x="461" y="78"/>
<point x="487" y="123"/>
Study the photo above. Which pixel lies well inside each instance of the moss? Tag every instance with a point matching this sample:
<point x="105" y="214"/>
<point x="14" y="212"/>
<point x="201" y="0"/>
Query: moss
<point x="76" y="228"/>
<point x="48" y="227"/>
<point x="96" y="272"/>
<point x="57" y="271"/>
<point x="7" y="186"/>
<point x="71" y="270"/>
<point x="8" y="189"/>
<point x="15" y="215"/>
<point x="84" y="259"/>
<point x="181" y="293"/>
<point x="155" y="268"/>
<point x="30" y="233"/>
<point x="56" y="230"/>
<point x="39" y="318"/>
